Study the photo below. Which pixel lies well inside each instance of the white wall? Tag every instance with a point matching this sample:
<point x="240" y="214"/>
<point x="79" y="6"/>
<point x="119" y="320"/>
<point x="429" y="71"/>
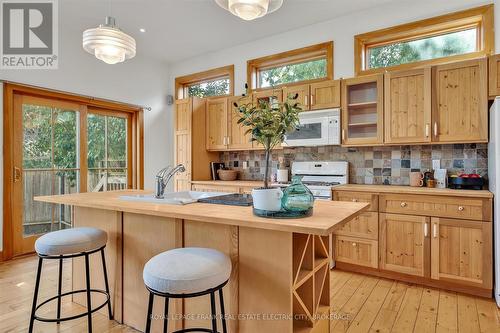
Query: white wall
<point x="341" y="30"/>
<point x="138" y="81"/>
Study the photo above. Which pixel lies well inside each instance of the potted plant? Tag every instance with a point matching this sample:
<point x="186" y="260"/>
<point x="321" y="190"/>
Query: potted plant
<point x="269" y="122"/>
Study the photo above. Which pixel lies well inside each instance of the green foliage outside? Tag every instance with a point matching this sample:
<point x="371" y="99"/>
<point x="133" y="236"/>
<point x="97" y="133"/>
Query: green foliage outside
<point x="50" y="140"/>
<point x="269" y="122"/>
<point x="293" y="73"/>
<point x="424" y="49"/>
<point x="209" y="88"/>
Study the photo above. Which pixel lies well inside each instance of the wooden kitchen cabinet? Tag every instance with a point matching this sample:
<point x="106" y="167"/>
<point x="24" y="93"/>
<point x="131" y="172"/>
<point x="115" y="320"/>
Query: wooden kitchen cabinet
<point x="364" y="226"/>
<point x="217" y="109"/>
<point x="494" y="76"/>
<point x="269" y="95"/>
<point x="358" y="251"/>
<point x="407" y="106"/>
<point x="461" y="251"/>
<point x="325" y="95"/>
<point x="304" y="95"/>
<point x="189" y="139"/>
<point x="362" y="111"/>
<point x="404" y="244"/>
<point x="460" y="104"/>
<point x="237" y="139"/>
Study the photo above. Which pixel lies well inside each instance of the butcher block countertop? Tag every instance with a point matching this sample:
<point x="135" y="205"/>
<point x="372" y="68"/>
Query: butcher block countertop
<point x="327" y="216"/>
<point x="414" y="190"/>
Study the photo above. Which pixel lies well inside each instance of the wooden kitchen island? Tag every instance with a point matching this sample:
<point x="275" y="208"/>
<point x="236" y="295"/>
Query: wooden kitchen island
<point x="280" y="278"/>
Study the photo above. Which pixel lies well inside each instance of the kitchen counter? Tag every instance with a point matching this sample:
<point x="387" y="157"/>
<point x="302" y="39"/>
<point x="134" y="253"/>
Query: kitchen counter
<point x="277" y="263"/>
<point x="414" y="190"/>
<point x="326" y="218"/>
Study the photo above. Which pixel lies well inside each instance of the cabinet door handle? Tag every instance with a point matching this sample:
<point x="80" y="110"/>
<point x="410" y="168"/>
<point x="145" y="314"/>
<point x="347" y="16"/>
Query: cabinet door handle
<point x="312" y="99"/>
<point x="228" y="140"/>
<point x="427" y="130"/>
<point x="354" y="244"/>
<point x="354" y="200"/>
<point x="404" y="204"/>
<point x="434" y="230"/>
<point x="435" y="128"/>
<point x="306" y="100"/>
<point x="461" y="208"/>
<point x="343" y="135"/>
<point x="426" y="230"/>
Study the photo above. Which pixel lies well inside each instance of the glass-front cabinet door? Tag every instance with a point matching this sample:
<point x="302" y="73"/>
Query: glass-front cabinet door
<point x="362" y="110"/>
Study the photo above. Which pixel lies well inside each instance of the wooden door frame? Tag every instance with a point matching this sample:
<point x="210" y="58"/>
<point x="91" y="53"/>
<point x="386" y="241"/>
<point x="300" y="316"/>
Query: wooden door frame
<point x="12" y="89"/>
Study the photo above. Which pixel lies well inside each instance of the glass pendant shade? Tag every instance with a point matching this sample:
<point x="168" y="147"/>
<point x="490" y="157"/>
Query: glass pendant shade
<point x="108" y="43"/>
<point x="248" y="9"/>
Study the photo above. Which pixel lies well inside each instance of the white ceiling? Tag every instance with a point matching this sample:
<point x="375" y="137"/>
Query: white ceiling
<point x="180" y="29"/>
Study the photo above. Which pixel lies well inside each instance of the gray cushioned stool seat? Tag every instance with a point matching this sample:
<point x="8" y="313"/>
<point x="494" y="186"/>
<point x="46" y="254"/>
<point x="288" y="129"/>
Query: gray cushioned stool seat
<point x="71" y="241"/>
<point x="187" y="270"/>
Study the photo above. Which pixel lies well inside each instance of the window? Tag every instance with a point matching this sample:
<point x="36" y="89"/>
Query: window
<point x="459" y="36"/>
<point x="305" y="64"/>
<point x="216" y="87"/>
<point x="214" y="82"/>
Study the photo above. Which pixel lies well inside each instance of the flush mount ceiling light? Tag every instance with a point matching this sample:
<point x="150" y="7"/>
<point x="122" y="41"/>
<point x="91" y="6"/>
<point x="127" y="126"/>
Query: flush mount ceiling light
<point x="108" y="43"/>
<point x="250" y="9"/>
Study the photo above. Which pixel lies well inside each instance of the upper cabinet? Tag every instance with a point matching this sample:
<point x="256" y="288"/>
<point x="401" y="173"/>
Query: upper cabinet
<point x="316" y="96"/>
<point x="269" y="95"/>
<point x="407" y="107"/>
<point x="460" y="104"/>
<point x="325" y="95"/>
<point x="238" y="139"/>
<point x="362" y="110"/>
<point x="217" y="110"/>
<point x="494" y="76"/>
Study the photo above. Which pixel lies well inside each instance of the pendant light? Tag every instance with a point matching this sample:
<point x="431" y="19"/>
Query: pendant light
<point x="250" y="9"/>
<point x="108" y="43"/>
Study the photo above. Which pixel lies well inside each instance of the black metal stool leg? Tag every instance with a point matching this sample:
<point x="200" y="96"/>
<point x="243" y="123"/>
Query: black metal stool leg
<point x="214" y="312"/>
<point x="223" y="313"/>
<point x="89" y="302"/>
<point x="106" y="283"/>
<point x="59" y="290"/>
<point x="150" y="313"/>
<point x="35" y="296"/>
<point x="165" y="316"/>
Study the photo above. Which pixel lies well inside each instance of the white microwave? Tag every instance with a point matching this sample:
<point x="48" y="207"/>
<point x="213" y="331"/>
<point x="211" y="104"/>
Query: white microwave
<point x="317" y="128"/>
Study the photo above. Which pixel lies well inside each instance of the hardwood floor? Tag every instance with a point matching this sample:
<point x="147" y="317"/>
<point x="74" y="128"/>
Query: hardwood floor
<point x="368" y="304"/>
<point x="360" y="304"/>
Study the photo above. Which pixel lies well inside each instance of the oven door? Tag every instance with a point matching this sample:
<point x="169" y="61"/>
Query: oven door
<point x="311" y="132"/>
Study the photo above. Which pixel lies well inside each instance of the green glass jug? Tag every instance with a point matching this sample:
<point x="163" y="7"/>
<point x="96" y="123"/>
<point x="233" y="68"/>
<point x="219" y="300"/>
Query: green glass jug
<point x="297" y="199"/>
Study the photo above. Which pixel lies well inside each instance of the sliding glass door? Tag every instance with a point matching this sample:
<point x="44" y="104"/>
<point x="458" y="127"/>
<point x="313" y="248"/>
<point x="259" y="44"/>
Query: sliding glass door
<point x="60" y="148"/>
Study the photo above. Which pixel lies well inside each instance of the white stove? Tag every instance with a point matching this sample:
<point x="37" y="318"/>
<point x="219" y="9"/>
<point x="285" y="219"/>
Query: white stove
<point x="321" y="176"/>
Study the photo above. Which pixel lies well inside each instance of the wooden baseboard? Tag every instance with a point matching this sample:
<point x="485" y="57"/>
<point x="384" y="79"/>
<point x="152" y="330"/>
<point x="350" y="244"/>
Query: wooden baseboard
<point x="447" y="285"/>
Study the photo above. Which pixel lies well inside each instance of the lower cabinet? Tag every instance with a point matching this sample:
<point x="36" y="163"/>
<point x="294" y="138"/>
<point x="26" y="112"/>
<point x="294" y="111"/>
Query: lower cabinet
<point x="404" y="244"/>
<point x="461" y="251"/>
<point x="358" y="251"/>
<point x="420" y="239"/>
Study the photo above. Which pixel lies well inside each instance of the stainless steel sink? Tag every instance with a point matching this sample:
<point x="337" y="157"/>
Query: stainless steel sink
<point x="172" y="198"/>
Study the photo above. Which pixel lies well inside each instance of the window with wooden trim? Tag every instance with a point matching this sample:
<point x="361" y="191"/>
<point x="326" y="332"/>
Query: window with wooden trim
<point x="214" y="82"/>
<point x="312" y="63"/>
<point x="457" y="36"/>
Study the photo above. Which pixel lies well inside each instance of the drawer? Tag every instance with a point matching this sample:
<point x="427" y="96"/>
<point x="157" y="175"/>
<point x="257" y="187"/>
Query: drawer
<point x="362" y="226"/>
<point x="438" y="206"/>
<point x="356" y="251"/>
<point x="371" y="198"/>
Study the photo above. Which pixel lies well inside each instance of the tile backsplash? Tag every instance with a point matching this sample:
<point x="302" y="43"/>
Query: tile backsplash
<point x="370" y="165"/>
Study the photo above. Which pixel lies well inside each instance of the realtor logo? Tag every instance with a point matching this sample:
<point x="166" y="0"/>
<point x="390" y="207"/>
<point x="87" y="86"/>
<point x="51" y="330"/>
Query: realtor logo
<point x="29" y="34"/>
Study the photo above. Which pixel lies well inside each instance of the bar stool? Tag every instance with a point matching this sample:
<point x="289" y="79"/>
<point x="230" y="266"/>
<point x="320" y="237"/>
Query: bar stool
<point x="64" y="244"/>
<point x="185" y="273"/>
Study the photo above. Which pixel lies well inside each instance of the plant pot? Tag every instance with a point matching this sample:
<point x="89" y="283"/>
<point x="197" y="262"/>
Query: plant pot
<point x="267" y="199"/>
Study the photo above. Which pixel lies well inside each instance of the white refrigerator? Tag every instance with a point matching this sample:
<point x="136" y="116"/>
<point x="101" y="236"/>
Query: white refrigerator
<point x="494" y="186"/>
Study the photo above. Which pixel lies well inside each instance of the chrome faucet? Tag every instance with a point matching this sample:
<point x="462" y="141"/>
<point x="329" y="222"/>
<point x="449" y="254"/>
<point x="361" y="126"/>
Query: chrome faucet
<point x="163" y="177"/>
